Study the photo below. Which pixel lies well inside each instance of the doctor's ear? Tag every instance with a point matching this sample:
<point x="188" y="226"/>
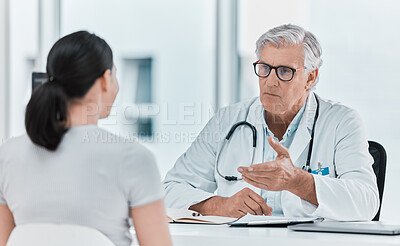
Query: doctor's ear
<point x="312" y="78"/>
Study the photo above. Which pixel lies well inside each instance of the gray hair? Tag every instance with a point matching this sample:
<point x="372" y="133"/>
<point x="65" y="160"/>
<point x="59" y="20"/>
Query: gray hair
<point x="290" y="35"/>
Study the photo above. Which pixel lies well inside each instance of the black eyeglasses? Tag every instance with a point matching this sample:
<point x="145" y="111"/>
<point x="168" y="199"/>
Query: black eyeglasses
<point x="284" y="73"/>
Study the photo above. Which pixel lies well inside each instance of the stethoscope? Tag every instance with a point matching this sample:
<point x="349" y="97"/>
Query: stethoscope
<point x="306" y="167"/>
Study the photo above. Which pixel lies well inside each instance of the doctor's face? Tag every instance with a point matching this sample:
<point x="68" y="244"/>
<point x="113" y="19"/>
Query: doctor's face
<point x="284" y="97"/>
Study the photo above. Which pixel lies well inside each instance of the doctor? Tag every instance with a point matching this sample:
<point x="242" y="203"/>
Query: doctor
<point x="310" y="155"/>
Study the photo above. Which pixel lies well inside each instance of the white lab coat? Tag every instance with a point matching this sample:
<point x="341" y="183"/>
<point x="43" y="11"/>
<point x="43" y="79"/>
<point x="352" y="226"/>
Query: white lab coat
<point x="349" y="192"/>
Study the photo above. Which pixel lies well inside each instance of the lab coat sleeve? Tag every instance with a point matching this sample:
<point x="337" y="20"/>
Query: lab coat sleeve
<point x="353" y="195"/>
<point x="192" y="178"/>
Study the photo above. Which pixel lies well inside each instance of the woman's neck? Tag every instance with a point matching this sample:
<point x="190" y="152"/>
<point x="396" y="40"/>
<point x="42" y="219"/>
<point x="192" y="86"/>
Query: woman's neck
<point x="83" y="114"/>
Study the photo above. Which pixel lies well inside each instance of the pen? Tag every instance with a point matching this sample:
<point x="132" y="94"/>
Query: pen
<point x="319" y="168"/>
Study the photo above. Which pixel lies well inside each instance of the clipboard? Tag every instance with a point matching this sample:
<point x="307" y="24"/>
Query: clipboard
<point x="272" y="221"/>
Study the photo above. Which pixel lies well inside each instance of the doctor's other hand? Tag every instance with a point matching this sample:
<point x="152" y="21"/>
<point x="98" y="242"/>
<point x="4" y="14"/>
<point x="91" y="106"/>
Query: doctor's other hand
<point x="238" y="205"/>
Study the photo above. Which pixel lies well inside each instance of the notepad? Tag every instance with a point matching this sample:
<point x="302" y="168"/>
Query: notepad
<point x="192" y="217"/>
<point x="262" y="220"/>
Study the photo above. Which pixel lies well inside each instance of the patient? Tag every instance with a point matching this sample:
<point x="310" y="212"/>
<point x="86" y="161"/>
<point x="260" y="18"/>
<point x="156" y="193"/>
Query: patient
<point x="67" y="170"/>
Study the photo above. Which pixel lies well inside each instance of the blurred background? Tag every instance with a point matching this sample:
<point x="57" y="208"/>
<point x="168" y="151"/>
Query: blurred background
<point x="180" y="60"/>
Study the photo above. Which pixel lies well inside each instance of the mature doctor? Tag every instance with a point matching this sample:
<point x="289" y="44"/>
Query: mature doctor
<point x="338" y="183"/>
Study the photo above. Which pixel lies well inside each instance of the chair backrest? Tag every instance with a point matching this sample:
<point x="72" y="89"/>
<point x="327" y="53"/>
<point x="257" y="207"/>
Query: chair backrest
<point x="379" y="154"/>
<point x="45" y="234"/>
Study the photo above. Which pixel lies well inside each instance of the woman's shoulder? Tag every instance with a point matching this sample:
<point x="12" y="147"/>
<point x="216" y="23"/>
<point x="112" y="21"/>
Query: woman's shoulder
<point x="14" y="144"/>
<point x="121" y="146"/>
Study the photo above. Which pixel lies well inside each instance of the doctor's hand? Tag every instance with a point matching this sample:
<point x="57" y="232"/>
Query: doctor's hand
<point x="276" y="175"/>
<point x="238" y="205"/>
<point x="281" y="174"/>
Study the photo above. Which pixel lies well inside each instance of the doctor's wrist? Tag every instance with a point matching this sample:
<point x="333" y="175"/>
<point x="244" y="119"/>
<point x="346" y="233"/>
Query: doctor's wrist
<point x="303" y="186"/>
<point x="209" y="206"/>
<point x="297" y="182"/>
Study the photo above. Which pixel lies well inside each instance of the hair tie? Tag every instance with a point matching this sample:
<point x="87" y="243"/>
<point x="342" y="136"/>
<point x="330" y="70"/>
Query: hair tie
<point x="51" y="78"/>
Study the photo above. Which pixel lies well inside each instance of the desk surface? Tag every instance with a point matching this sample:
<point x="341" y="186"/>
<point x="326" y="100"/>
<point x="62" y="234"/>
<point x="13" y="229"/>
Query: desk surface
<point x="200" y="235"/>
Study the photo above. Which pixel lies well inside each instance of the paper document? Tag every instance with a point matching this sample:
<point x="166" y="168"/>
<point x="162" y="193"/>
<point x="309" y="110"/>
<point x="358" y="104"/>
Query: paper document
<point x="259" y="220"/>
<point x="192" y="217"/>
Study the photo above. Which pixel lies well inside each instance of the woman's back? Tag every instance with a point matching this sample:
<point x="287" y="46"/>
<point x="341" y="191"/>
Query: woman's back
<point x="92" y="179"/>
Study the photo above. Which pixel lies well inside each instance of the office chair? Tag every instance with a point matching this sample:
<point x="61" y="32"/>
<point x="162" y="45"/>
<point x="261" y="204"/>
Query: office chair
<point x="46" y="234"/>
<point x="379" y="154"/>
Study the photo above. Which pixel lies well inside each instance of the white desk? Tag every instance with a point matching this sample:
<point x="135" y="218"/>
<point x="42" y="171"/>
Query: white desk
<point x="202" y="235"/>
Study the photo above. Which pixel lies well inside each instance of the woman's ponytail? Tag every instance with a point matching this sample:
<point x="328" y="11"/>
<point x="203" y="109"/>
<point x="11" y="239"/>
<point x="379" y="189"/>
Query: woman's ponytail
<point x="74" y="64"/>
<point x="46" y="115"/>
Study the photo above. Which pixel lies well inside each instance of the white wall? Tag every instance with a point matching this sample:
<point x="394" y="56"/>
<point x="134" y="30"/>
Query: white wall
<point x="49" y="24"/>
<point x="23" y="52"/>
<point x="3" y="68"/>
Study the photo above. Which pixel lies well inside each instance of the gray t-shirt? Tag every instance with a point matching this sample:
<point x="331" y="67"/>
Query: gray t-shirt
<point x="92" y="179"/>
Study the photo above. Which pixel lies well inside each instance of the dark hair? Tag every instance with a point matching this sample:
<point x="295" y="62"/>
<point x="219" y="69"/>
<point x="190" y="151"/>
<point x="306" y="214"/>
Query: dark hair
<point x="73" y="65"/>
